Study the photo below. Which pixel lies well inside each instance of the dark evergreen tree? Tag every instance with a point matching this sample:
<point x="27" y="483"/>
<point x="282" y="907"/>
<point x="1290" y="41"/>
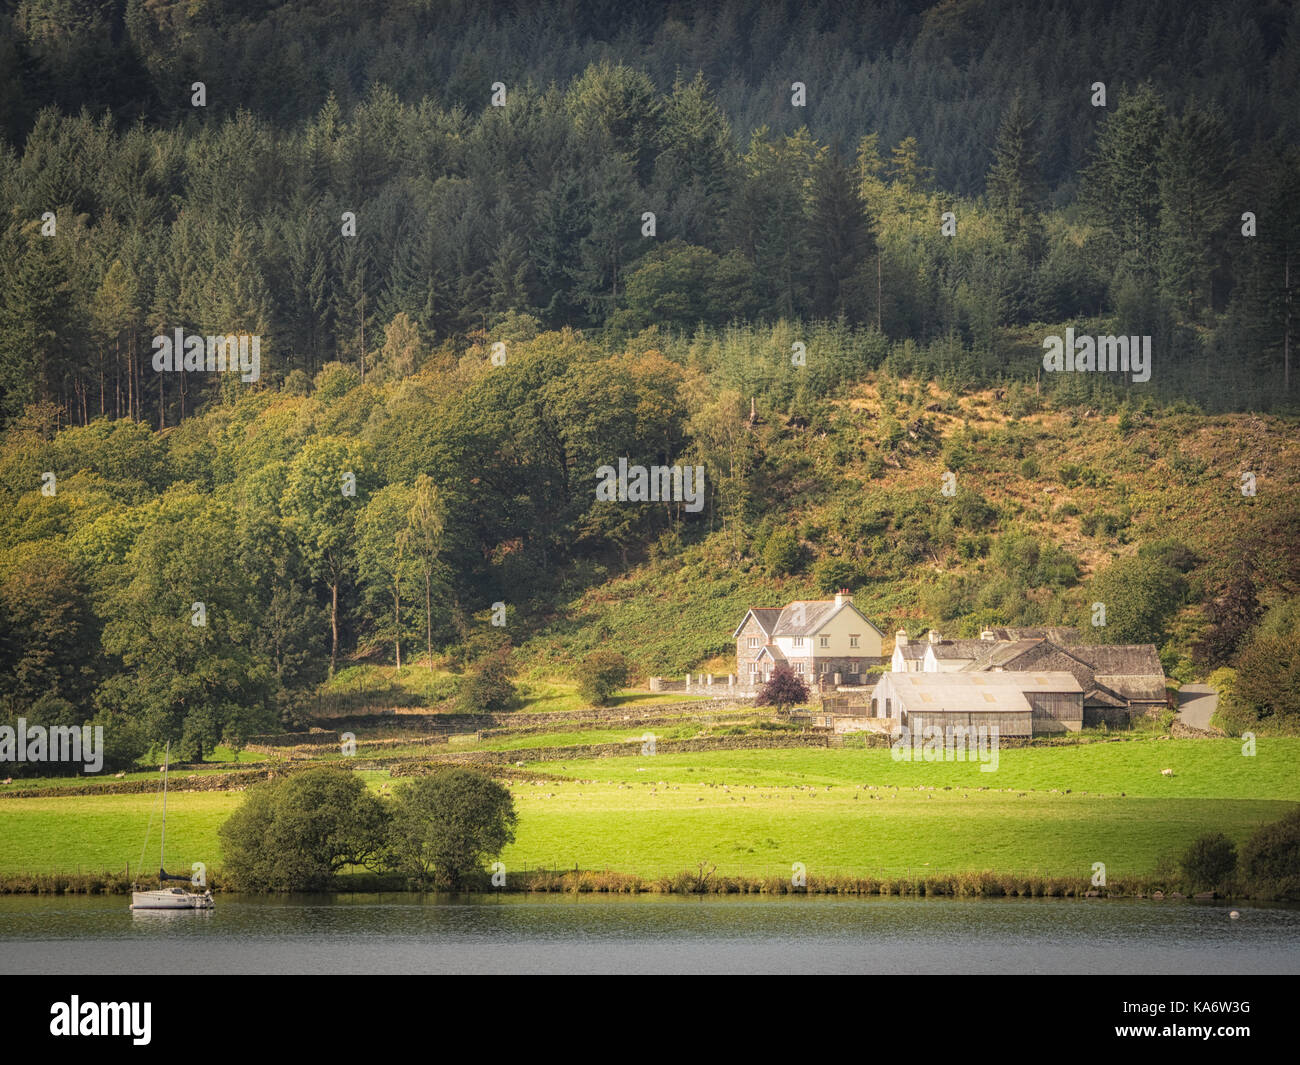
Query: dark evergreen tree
<point x="1016" y="192"/>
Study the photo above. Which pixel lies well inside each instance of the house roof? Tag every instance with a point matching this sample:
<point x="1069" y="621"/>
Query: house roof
<point x="1139" y="689"/>
<point x="1104" y="696"/>
<point x="803" y="617"/>
<point x="1121" y="660"/>
<point x="966" y="692"/>
<point x="999" y="653"/>
<point x="1058" y="635"/>
<point x="765" y="616"/>
<point x="773" y="652"/>
<point x="807" y="617"/>
<point x="950" y="649"/>
<point x="911" y="651"/>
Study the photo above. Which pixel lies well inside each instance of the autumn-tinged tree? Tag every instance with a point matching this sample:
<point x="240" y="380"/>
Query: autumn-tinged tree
<point x="423" y="537"/>
<point x="384" y="563"/>
<point x="328" y="485"/>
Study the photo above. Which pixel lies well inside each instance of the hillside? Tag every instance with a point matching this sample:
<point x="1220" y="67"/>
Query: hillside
<point x="1072" y="479"/>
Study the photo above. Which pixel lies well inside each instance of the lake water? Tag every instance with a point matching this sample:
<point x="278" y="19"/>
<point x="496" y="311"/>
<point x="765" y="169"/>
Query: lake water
<point x="654" y="934"/>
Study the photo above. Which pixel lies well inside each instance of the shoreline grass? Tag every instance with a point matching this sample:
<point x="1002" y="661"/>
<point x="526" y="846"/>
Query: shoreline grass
<point x="982" y="884"/>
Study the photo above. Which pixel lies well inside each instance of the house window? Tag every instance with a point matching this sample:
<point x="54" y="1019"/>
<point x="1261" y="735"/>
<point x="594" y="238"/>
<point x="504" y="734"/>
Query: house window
<point x="853" y="667"/>
<point x="753" y="667"/>
<point x="798" y="641"/>
<point x="875" y="705"/>
<point x="853" y="640"/>
<point x="798" y="667"/>
<point x="753" y="641"/>
<point x="887" y="708"/>
<point x="826" y="667"/>
<point x="825" y="641"/>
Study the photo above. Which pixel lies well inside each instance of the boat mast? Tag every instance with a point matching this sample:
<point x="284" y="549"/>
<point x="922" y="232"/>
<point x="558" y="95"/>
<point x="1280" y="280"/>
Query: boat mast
<point x="162" y="849"/>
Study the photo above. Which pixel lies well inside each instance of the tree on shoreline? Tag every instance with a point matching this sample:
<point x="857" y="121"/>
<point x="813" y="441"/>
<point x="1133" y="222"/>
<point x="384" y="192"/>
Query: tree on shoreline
<point x="448" y="824"/>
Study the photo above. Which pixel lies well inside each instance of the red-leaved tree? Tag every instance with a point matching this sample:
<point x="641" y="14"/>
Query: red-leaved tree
<point x="783" y="689"/>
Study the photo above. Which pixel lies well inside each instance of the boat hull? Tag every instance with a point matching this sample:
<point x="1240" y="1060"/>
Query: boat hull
<point x="175" y="899"/>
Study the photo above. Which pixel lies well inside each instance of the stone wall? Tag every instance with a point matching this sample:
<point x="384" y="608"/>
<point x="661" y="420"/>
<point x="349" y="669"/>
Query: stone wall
<point x="317" y="737"/>
<point x="613" y="750"/>
<point x="717" y="685"/>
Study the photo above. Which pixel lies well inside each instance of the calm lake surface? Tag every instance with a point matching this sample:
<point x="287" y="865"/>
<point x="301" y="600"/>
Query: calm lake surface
<point x="656" y="934"/>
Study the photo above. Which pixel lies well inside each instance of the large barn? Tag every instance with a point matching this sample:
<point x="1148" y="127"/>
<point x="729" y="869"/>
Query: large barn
<point x="1017" y="704"/>
<point x="1118" y="680"/>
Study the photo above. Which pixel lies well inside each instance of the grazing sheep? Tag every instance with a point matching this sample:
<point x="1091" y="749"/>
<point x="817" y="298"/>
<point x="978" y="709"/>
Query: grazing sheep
<point x="1166" y="772"/>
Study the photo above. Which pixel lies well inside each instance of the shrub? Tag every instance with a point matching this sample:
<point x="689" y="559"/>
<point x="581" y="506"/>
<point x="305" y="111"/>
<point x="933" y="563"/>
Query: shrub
<point x="1100" y="524"/>
<point x="600" y="675"/>
<point x="1270" y="859"/>
<point x="873" y="463"/>
<point x="1209" y="861"/>
<point x="1070" y="473"/>
<point x="1268" y="678"/>
<point x="781" y="553"/>
<point x="832" y="574"/>
<point x="1188" y="466"/>
<point x="490" y="688"/>
<point x="1029" y="468"/>
<point x="1171" y="552"/>
<point x="955" y="454"/>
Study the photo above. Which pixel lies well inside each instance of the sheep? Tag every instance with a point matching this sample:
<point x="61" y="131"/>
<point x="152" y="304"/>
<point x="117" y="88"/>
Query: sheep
<point x="1166" y="772"/>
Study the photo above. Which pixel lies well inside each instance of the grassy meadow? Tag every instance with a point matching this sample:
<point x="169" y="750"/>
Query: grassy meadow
<point x="1050" y="810"/>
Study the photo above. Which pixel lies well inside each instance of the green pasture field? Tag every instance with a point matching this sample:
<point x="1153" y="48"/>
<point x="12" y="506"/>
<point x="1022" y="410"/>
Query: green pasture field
<point x="1051" y="810"/>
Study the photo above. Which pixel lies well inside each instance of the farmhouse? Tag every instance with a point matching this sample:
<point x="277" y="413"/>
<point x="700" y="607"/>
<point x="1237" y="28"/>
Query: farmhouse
<point x="824" y="641"/>
<point x="1016" y="704"/>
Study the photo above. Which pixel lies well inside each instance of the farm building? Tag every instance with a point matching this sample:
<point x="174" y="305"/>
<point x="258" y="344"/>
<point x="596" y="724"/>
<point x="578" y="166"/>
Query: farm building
<point x="823" y="641"/>
<point x="908" y="656"/>
<point x="1118" y="681"/>
<point x="1018" y="704"/>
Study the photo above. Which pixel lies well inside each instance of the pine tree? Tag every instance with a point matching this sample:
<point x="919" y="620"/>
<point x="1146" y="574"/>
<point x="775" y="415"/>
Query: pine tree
<point x="906" y="170"/>
<point x="1015" y="187"/>
<point x="1195" y="164"/>
<point x="694" y="162"/>
<point x="1267" y="267"/>
<point x="841" y="238"/>
<point x="35" y="308"/>
<point x="1121" y="185"/>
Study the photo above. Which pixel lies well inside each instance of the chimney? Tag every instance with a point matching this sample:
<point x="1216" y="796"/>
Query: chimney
<point x="900" y="638"/>
<point x="934" y="636"/>
<point x="842" y="597"/>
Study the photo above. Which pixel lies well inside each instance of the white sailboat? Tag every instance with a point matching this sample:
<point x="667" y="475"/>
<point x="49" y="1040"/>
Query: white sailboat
<point x="169" y="898"/>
